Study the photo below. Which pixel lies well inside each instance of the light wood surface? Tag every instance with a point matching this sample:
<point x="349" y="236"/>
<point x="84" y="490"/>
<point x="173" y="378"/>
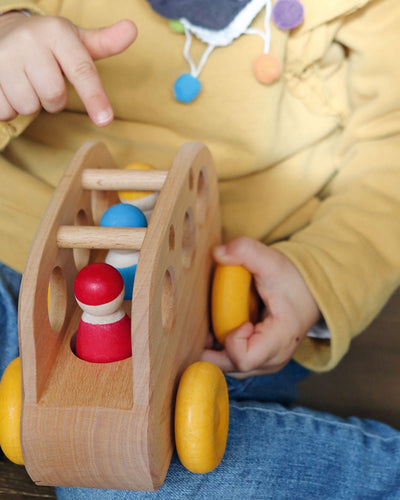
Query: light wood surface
<point x="95" y="237"/>
<point x="127" y="180"/>
<point x="110" y="426"/>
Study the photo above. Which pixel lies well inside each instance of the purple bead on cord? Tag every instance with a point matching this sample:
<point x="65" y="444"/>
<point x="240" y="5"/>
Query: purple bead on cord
<point x="288" y="14"/>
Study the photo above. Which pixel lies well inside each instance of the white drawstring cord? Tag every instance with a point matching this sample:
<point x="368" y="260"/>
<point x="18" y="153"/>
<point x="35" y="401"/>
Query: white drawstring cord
<point x="266" y="34"/>
<point x="195" y="71"/>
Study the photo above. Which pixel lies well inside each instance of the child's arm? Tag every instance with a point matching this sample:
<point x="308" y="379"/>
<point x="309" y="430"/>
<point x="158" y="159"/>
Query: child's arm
<point x="37" y="52"/>
<point x="291" y="311"/>
<point x="348" y="252"/>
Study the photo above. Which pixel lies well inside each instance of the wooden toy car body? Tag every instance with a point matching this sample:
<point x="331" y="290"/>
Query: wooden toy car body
<point x="111" y="425"/>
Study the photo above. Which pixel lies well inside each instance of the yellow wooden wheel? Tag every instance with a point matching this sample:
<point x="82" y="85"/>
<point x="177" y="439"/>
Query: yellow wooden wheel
<point x="233" y="300"/>
<point x="201" y="417"/>
<point x="10" y="412"/>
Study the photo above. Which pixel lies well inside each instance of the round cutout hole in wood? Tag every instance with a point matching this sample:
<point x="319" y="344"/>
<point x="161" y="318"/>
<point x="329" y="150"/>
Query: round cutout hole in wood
<point x="188" y="238"/>
<point x="168" y="301"/>
<point x="191" y="179"/>
<point x="57" y="299"/>
<point x="202" y="200"/>
<point x="81" y="255"/>
<point x="171" y="238"/>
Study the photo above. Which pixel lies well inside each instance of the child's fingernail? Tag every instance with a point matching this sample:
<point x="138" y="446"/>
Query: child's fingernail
<point x="219" y="251"/>
<point x="104" y="117"/>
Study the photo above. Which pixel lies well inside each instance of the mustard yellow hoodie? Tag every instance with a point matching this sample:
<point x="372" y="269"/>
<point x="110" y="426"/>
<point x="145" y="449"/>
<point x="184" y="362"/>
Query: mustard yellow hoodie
<point x="309" y="163"/>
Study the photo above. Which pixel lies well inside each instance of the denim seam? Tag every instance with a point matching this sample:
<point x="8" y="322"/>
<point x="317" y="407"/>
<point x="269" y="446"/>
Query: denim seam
<point x="314" y="418"/>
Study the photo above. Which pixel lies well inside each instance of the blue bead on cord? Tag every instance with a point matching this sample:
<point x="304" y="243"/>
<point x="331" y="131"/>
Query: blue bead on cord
<point x="186" y="88"/>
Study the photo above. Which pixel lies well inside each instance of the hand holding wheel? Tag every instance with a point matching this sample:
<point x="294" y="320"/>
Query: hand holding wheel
<point x="233" y="300"/>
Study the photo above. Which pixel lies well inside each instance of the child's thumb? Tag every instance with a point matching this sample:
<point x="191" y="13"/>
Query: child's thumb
<point x="108" y="41"/>
<point x="244" y="251"/>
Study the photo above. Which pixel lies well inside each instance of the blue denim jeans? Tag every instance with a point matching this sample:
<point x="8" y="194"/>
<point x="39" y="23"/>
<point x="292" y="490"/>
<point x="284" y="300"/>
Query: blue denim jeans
<point x="275" y="450"/>
<point x="10" y="282"/>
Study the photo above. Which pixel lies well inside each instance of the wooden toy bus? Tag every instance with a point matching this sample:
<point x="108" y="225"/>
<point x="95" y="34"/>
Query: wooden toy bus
<point x="111" y="425"/>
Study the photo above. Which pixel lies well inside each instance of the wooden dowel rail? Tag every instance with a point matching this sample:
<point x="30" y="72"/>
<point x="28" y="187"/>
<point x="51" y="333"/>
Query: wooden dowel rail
<point x="123" y="179"/>
<point x="96" y="237"/>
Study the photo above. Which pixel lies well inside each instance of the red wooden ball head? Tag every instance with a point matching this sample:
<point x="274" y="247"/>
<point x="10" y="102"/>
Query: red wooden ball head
<point x="104" y="331"/>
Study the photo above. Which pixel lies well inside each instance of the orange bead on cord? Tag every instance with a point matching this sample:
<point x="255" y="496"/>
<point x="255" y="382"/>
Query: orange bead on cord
<point x="267" y="68"/>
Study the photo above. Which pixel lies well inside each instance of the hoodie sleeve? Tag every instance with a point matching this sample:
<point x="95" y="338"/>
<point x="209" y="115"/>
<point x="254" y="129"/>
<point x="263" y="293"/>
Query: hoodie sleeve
<point x="349" y="254"/>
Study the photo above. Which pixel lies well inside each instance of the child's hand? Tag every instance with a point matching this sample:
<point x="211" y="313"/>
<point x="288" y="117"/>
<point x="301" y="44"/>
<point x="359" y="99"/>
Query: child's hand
<point x="37" y="52"/>
<point x="290" y="311"/>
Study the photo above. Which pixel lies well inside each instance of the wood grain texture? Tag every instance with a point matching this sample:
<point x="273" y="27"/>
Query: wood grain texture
<point x="110" y="426"/>
<point x="95" y="237"/>
<point x="127" y="180"/>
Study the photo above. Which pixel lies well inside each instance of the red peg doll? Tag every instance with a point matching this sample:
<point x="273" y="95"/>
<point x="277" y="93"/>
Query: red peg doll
<point x="104" y="331"/>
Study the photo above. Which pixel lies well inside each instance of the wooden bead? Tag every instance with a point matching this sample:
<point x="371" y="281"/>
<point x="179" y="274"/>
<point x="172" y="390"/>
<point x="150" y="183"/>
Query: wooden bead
<point x="97" y="284"/>
<point x="124" y="215"/>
